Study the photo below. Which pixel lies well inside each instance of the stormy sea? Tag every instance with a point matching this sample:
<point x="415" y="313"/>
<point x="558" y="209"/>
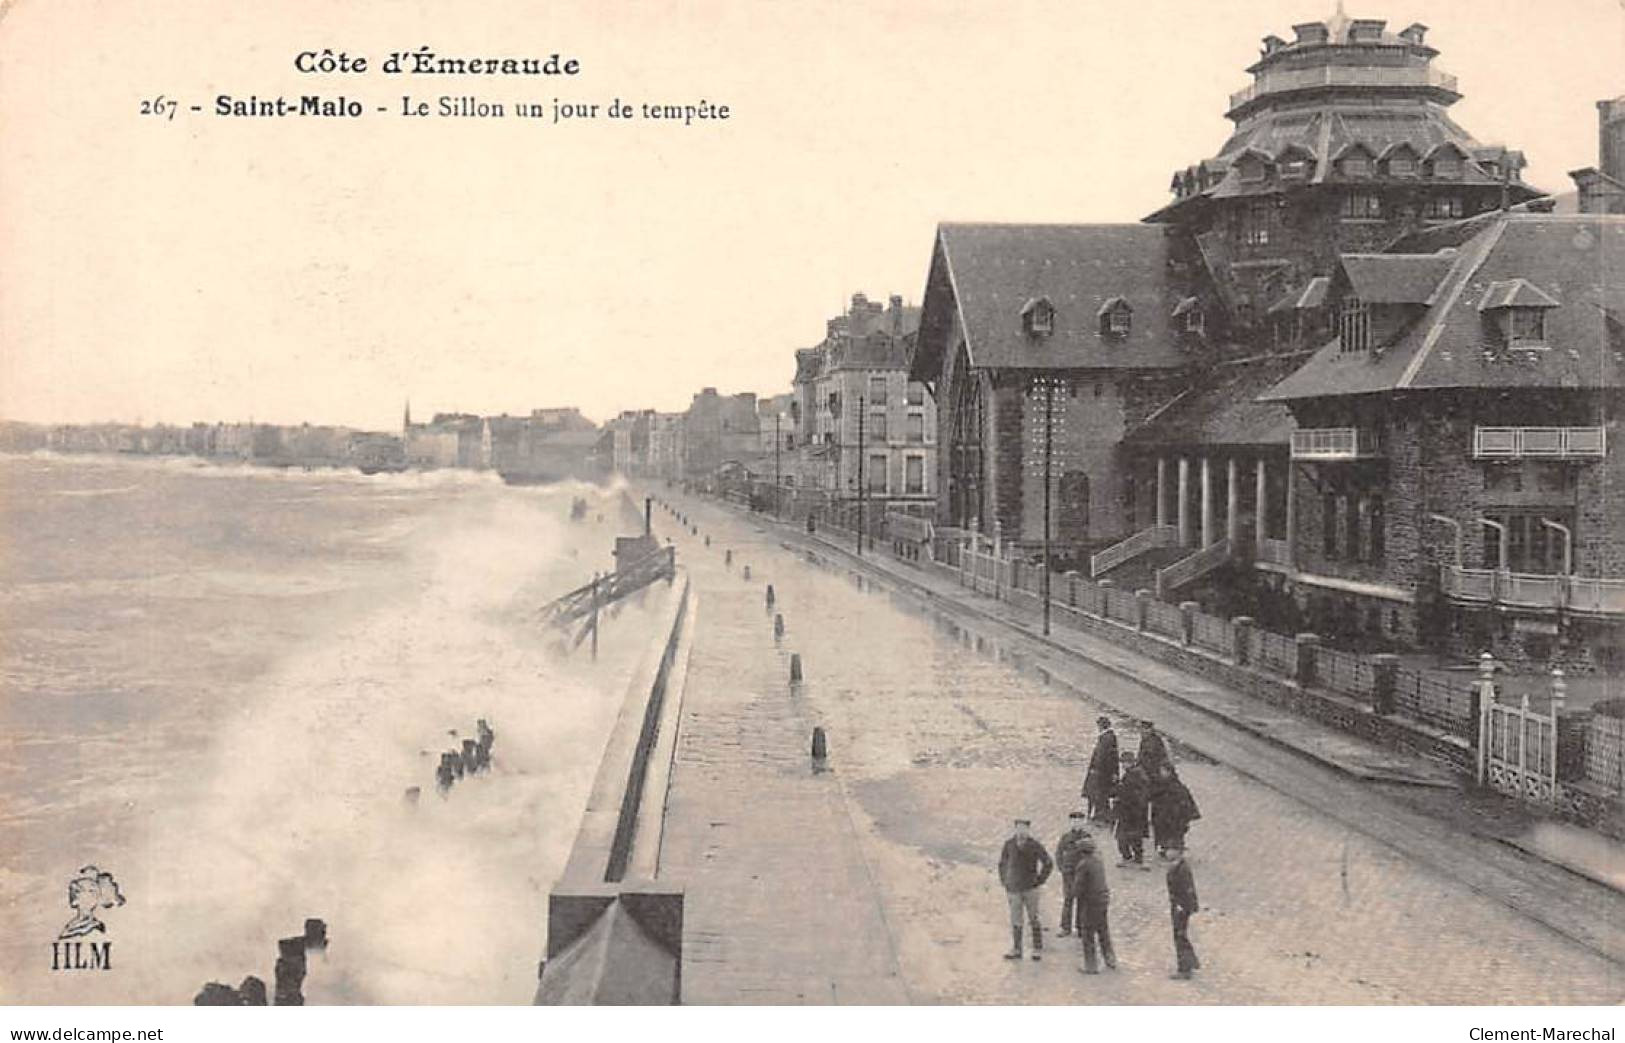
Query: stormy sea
<point x="217" y="684"/>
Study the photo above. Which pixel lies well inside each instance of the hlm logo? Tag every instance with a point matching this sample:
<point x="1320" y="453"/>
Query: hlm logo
<point x="88" y="893"/>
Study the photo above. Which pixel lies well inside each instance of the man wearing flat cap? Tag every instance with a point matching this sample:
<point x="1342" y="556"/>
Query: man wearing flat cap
<point x="1067" y="850"/>
<point x="1024" y="865"/>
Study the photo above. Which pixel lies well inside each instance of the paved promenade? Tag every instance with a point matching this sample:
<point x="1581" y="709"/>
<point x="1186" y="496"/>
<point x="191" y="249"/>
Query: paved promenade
<point x="1319" y="886"/>
<point x="781" y="906"/>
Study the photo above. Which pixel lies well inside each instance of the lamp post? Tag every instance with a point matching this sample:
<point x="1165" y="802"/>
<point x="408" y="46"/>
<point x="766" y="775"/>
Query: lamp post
<point x="778" y="475"/>
<point x="863" y="406"/>
<point x="1049" y="452"/>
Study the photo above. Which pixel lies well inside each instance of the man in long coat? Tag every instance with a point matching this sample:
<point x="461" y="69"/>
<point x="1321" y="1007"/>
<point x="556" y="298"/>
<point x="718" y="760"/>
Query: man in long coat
<point x="1133" y="798"/>
<point x="1173" y="809"/>
<point x="1153" y="751"/>
<point x="1100" y="781"/>
<point x="1024" y="865"/>
<point x="1094" y="899"/>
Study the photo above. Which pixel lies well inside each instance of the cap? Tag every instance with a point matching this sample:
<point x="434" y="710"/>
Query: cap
<point x="1024" y="821"/>
<point x="1076" y="814"/>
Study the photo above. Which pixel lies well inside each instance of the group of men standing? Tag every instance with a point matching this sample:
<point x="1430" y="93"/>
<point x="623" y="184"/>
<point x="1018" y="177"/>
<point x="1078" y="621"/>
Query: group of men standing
<point x="1128" y="791"/>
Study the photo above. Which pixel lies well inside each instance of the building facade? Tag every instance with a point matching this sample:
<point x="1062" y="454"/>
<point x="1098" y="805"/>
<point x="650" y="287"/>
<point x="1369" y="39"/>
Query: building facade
<point x="859" y="419"/>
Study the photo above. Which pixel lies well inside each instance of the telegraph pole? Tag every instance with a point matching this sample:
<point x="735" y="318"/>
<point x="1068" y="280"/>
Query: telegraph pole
<point x="862" y="408"/>
<point x="778" y="478"/>
<point x="1049" y="450"/>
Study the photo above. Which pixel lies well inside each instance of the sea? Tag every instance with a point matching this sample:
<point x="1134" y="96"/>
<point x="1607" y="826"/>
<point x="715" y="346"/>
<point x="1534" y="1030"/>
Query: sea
<point x="218" y="683"/>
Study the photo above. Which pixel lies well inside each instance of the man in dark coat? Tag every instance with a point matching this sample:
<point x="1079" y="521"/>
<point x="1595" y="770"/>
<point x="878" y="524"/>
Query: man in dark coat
<point x="1024" y="865"/>
<point x="1133" y="798"/>
<point x="1153" y="752"/>
<point x="1094" y="897"/>
<point x="1100" y="781"/>
<point x="1066" y="860"/>
<point x="1182" y="905"/>
<point x="1173" y="809"/>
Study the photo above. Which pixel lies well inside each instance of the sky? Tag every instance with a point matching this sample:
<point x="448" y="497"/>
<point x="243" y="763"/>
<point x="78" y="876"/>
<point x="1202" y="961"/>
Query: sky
<point x="287" y="270"/>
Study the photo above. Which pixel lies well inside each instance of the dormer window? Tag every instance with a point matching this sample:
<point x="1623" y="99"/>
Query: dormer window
<point x="1517" y="308"/>
<point x="1038" y="317"/>
<point x="1296" y="163"/>
<point x="1402" y="161"/>
<point x="1446" y="163"/>
<point x="1355" y="163"/>
<point x="1526" y="327"/>
<point x="1188" y="313"/>
<point x="1251" y="169"/>
<point x="1354" y="326"/>
<point x="1116" y="317"/>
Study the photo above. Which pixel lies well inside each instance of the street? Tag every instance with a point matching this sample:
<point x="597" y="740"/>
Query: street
<point x="876" y="882"/>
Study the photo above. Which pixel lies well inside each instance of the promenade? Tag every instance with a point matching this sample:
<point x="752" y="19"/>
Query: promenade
<point x="876" y="881"/>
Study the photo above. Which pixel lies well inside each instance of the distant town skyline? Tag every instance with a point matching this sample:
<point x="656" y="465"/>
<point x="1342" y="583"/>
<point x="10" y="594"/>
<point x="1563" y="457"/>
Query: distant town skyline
<point x="218" y="269"/>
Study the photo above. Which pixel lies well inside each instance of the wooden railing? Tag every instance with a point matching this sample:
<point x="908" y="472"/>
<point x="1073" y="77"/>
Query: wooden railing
<point x="1192" y="567"/>
<point x="1507" y="443"/>
<point x="1137" y="544"/>
<point x="1341" y="76"/>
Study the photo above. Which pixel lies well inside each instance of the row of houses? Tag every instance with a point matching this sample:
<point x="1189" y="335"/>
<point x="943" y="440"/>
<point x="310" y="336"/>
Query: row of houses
<point x="854" y="426"/>
<point x="548" y="444"/>
<point x="1356" y="375"/>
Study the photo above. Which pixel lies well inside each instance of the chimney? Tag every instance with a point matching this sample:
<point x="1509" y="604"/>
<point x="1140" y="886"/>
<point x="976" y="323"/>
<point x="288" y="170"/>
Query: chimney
<point x="1273" y="43"/>
<point x="1310" y="32"/>
<point x="1414" y="33"/>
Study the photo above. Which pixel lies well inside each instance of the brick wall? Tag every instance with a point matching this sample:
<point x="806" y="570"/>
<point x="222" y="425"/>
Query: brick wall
<point x="1004" y="445"/>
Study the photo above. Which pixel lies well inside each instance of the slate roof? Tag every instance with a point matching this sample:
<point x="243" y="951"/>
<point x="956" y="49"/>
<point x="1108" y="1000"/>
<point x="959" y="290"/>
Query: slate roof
<point x="1224" y="410"/>
<point x="1396" y="278"/>
<point x="1327" y="132"/>
<point x="1574" y="259"/>
<point x="985" y="273"/>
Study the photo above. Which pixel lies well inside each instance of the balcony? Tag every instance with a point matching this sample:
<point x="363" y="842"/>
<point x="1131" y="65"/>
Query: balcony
<point x="1335" y="443"/>
<point x="1543" y="443"/>
<point x="1282" y="80"/>
<point x="1587" y="595"/>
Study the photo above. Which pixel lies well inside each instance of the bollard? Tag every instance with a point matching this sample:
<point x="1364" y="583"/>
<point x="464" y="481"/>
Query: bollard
<point x="290" y="972"/>
<point x="708" y="541"/>
<point x="745" y="574"/>
<point x="778" y="624"/>
<point x="770" y="595"/>
<point x="252" y="992"/>
<point x="820" y="749"/>
<point x="795" y="667"/>
<point x="727" y="557"/>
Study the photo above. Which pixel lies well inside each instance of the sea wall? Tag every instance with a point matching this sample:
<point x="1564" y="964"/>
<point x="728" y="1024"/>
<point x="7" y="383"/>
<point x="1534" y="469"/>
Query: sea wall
<point x="614" y="930"/>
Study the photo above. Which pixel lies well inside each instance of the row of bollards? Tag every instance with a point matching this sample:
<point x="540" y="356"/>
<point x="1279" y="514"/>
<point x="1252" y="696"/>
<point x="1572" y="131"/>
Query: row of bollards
<point x="473" y="757"/>
<point x="291" y="966"/>
<point x="820" y="739"/>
